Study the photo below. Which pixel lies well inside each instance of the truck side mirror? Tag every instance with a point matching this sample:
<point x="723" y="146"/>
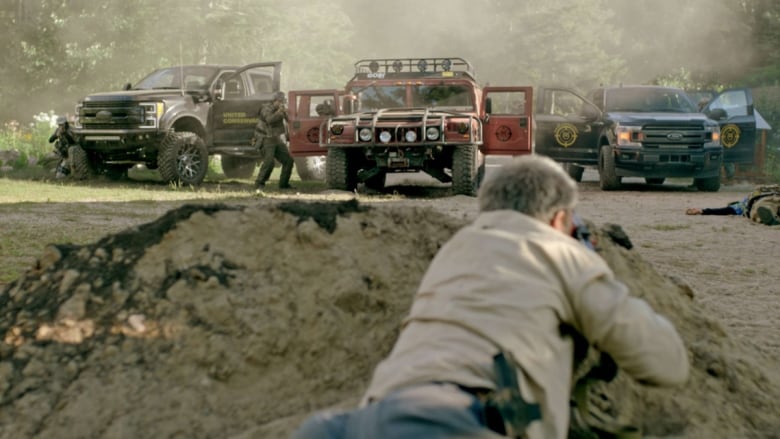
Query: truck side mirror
<point x="716" y="114"/>
<point x="488" y="105"/>
<point x="349" y="104"/>
<point x="127" y="86"/>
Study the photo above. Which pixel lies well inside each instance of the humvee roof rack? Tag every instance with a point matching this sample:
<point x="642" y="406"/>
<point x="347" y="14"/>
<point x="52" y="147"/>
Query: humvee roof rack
<point x="414" y="65"/>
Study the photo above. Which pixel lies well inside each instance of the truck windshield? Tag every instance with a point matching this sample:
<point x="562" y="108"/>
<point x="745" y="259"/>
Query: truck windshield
<point x="377" y="97"/>
<point x="195" y="78"/>
<point x="648" y="100"/>
<point x="442" y="97"/>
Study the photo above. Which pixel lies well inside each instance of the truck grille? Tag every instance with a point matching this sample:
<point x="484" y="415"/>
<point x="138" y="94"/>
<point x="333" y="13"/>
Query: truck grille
<point x="111" y="115"/>
<point x="669" y="135"/>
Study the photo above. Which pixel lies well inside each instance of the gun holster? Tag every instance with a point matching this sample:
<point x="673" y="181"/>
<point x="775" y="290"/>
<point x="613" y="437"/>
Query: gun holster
<point x="506" y="412"/>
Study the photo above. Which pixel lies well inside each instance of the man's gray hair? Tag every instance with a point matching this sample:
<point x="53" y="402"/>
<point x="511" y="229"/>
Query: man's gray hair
<point x="534" y="185"/>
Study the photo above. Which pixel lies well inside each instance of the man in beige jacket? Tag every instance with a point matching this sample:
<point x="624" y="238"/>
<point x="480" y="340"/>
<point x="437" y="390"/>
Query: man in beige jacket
<point x="509" y="281"/>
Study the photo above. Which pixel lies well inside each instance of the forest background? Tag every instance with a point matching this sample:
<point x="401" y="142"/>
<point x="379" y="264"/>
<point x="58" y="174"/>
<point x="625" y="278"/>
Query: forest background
<point x="55" y="52"/>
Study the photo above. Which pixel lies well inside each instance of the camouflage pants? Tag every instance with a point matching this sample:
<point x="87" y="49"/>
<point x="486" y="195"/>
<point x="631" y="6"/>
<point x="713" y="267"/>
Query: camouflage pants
<point x="274" y="149"/>
<point x="771" y="202"/>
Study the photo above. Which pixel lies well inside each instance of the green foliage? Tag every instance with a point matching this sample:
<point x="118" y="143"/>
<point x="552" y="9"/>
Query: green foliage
<point x="31" y="141"/>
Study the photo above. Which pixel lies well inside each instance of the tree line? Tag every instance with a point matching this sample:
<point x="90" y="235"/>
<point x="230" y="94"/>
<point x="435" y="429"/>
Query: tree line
<point x="56" y="51"/>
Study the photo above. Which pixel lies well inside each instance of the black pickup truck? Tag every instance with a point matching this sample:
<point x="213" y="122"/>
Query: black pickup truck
<point x="173" y="120"/>
<point x="651" y="132"/>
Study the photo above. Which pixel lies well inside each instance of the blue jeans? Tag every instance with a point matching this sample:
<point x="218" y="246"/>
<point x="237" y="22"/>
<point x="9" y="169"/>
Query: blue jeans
<point x="430" y="411"/>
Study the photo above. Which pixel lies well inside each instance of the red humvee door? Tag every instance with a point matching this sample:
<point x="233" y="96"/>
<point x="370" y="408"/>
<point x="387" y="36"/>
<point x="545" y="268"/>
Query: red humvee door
<point x="307" y="112"/>
<point x="508" y="122"/>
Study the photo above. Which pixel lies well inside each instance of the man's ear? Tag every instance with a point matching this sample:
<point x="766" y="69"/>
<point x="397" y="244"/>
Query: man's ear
<point x="561" y="221"/>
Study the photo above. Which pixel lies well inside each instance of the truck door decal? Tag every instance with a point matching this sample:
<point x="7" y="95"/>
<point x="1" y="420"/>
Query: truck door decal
<point x="507" y="120"/>
<point x="565" y="134"/>
<point x="729" y="135"/>
<point x="733" y="110"/>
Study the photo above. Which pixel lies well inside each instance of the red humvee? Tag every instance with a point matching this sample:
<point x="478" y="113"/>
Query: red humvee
<point x="410" y="115"/>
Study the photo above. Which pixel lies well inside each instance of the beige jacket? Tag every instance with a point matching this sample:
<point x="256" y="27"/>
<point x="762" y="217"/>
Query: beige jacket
<point x="515" y="280"/>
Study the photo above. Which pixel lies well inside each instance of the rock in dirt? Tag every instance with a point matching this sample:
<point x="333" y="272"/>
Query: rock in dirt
<point x="224" y="321"/>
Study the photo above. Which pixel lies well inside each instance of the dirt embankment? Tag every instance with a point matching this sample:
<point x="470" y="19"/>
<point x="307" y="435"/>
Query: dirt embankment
<point x="237" y="321"/>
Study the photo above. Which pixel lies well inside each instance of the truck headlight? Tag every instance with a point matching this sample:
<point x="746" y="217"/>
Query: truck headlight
<point x="77" y="118"/>
<point x="365" y="134"/>
<point x="432" y="133"/>
<point x="410" y="136"/>
<point x="385" y="136"/>
<point x="712" y="134"/>
<point x="627" y="135"/>
<point x="153" y="111"/>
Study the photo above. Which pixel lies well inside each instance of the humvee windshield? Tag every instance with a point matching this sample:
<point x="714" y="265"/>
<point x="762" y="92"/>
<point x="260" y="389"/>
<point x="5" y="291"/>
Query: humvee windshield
<point x="440" y="97"/>
<point x="648" y="100"/>
<point x="195" y="77"/>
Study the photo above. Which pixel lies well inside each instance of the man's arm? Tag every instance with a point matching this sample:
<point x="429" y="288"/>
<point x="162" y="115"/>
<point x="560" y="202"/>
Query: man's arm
<point x="643" y="343"/>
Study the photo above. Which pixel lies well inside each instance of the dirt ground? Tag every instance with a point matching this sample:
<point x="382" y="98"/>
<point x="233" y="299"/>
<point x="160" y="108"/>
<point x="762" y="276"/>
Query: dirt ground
<point x="236" y="321"/>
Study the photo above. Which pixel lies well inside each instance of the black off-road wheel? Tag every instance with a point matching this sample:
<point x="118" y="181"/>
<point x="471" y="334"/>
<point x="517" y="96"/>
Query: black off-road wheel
<point x="340" y="170"/>
<point x="238" y="167"/>
<point x="465" y="178"/>
<point x="608" y="179"/>
<point x="80" y="167"/>
<point x="311" y="168"/>
<point x="711" y="184"/>
<point x="574" y="171"/>
<point x="183" y="158"/>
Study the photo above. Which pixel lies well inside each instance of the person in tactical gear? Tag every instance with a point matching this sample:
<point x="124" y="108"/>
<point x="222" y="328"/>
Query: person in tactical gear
<point x="488" y="348"/>
<point x="762" y="206"/>
<point x="62" y="138"/>
<point x="270" y="140"/>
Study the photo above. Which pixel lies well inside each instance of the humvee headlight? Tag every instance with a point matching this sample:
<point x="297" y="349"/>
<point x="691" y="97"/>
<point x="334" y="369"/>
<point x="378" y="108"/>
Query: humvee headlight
<point x="463" y="128"/>
<point x="410" y="136"/>
<point x="385" y="136"/>
<point x="365" y="134"/>
<point x="432" y="133"/>
<point x="337" y="129"/>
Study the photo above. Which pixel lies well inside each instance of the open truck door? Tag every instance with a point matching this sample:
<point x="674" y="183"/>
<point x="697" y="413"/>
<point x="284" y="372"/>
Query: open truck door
<point x="508" y="121"/>
<point x="239" y="96"/>
<point x="568" y="126"/>
<point x="733" y="110"/>
<point x="308" y="111"/>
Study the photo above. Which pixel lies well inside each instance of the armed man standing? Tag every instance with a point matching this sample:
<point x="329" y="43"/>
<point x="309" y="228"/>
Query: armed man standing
<point x="487" y="350"/>
<point x="62" y="138"/>
<point x="269" y="139"/>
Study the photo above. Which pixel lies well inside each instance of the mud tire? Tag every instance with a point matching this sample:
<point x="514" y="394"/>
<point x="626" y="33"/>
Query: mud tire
<point x="608" y="179"/>
<point x="574" y="171"/>
<point x="340" y="171"/>
<point x="80" y="167"/>
<point x="465" y="175"/>
<point x="183" y="158"/>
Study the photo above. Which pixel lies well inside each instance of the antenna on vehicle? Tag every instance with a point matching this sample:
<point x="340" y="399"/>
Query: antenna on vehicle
<point x="181" y="71"/>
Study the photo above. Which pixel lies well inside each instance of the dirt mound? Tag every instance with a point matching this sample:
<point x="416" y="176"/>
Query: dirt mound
<point x="224" y="321"/>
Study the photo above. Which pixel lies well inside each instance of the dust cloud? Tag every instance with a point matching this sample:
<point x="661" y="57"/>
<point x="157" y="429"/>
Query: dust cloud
<point x="579" y="44"/>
